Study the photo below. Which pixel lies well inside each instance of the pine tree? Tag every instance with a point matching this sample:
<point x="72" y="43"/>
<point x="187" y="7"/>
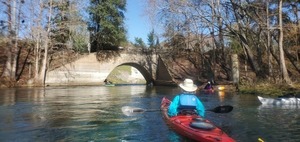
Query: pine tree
<point x="107" y="24"/>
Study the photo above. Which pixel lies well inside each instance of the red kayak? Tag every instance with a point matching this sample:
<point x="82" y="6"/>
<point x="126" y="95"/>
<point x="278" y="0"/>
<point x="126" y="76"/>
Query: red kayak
<point x="193" y="126"/>
<point x="209" y="90"/>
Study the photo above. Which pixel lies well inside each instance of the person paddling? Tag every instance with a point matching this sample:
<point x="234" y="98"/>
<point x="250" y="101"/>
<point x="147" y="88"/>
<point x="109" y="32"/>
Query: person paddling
<point x="186" y="101"/>
<point x="208" y="86"/>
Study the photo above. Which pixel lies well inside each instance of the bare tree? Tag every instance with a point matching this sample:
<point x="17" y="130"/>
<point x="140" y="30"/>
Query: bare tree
<point x="14" y="15"/>
<point x="269" y="41"/>
<point x="10" y="67"/>
<point x="284" y="72"/>
<point x="40" y="31"/>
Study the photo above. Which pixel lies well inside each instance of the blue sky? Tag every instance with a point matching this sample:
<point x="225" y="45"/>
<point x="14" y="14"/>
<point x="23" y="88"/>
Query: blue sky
<point x="137" y="22"/>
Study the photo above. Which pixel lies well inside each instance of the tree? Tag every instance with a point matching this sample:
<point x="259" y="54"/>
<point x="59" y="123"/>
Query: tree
<point x="61" y="22"/>
<point x="107" y="23"/>
<point x="151" y="39"/>
<point x="187" y="24"/>
<point x="44" y="26"/>
<point x="43" y="43"/>
<point x="138" y="42"/>
<point x="13" y="12"/>
<point x="284" y="72"/>
<point x="8" y="66"/>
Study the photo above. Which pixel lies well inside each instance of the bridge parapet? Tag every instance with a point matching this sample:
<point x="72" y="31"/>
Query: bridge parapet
<point x="148" y="51"/>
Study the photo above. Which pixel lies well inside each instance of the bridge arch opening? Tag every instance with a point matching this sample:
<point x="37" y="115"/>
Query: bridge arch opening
<point x="129" y="73"/>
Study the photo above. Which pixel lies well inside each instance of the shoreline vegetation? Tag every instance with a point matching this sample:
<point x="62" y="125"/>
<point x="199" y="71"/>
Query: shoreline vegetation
<point x="268" y="89"/>
<point x="246" y="84"/>
<point x="262" y="88"/>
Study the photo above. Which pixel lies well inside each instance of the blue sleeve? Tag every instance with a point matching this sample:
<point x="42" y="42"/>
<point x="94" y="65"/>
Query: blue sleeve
<point x="200" y="108"/>
<point x="173" y="107"/>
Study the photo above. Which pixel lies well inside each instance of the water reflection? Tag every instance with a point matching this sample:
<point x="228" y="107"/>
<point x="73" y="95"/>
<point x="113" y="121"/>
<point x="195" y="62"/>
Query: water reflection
<point x="280" y="122"/>
<point x="63" y="111"/>
<point x="93" y="113"/>
<point x="8" y="97"/>
<point x="11" y="96"/>
<point x="221" y="95"/>
<point x="17" y="107"/>
<point x="288" y="107"/>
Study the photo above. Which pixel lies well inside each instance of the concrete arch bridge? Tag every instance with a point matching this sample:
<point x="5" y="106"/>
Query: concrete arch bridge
<point x="88" y="70"/>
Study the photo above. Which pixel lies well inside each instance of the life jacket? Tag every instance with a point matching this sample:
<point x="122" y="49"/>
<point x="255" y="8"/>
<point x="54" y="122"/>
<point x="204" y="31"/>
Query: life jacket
<point x="187" y="101"/>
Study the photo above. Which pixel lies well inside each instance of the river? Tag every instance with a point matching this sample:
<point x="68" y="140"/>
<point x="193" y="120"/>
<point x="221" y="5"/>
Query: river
<point x="93" y="113"/>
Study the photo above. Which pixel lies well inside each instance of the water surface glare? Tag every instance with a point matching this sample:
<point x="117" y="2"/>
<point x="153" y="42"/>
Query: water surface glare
<point x="93" y="113"/>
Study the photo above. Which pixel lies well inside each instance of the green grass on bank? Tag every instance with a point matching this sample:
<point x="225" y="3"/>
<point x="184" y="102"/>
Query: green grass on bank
<point x="121" y="75"/>
<point x="270" y="89"/>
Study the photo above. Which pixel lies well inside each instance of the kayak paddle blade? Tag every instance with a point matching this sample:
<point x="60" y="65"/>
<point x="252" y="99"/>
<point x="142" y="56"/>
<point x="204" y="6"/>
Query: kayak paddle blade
<point x="130" y="111"/>
<point x="222" y="109"/>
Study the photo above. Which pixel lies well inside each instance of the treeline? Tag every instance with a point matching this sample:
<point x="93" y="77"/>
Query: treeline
<point x="265" y="34"/>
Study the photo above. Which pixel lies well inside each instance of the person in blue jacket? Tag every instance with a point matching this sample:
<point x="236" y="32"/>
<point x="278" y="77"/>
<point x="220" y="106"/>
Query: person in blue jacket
<point x="187" y="100"/>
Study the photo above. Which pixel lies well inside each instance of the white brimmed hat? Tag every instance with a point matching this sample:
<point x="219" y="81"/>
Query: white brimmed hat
<point x="188" y="85"/>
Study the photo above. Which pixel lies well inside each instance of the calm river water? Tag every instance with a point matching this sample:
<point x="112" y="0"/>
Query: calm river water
<point x="93" y="113"/>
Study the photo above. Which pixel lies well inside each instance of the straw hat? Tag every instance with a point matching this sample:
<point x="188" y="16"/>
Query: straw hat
<point x="188" y="85"/>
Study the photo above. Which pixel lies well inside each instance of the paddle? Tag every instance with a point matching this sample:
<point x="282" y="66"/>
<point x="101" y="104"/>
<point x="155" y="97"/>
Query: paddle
<point x="129" y="111"/>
